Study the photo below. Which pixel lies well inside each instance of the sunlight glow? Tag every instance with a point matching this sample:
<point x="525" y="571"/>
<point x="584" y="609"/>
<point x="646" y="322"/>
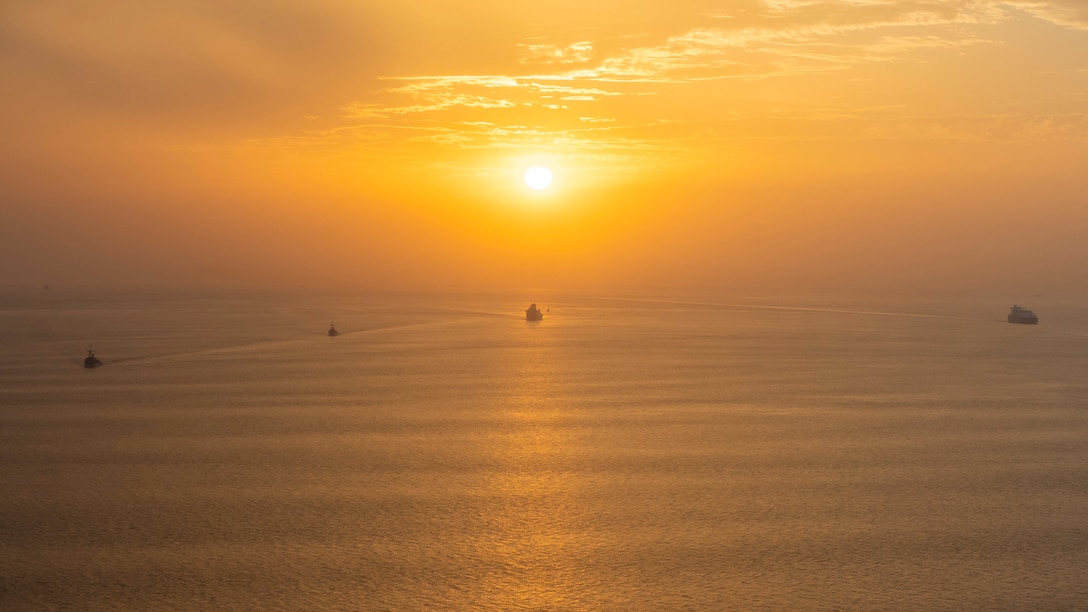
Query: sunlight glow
<point x="538" y="178"/>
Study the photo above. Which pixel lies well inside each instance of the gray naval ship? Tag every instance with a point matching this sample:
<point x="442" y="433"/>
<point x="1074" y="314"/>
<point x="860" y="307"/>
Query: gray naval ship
<point x="1019" y="314"/>
<point x="533" y="313"/>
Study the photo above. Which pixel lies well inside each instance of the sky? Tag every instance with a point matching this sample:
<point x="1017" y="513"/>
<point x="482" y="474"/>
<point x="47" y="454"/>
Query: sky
<point x="745" y="145"/>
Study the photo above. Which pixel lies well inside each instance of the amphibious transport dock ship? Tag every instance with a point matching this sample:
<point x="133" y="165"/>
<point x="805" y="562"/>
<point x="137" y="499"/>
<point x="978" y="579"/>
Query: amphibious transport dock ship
<point x="1022" y="315"/>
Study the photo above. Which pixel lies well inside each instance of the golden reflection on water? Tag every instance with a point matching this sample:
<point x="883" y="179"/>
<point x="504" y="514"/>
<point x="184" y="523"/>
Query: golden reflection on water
<point x="536" y="534"/>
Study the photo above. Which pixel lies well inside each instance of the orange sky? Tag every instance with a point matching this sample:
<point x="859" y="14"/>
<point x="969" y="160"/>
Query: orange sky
<point x="742" y="146"/>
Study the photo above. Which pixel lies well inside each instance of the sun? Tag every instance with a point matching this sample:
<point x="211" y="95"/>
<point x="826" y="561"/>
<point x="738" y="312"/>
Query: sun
<point x="538" y="178"/>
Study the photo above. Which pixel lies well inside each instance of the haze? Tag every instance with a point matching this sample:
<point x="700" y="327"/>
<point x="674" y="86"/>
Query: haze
<point x="776" y="144"/>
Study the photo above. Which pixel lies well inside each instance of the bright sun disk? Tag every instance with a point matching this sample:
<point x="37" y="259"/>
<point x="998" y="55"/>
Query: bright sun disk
<point x="538" y="177"/>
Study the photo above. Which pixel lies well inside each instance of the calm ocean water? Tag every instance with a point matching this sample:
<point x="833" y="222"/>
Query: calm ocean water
<point x="623" y="454"/>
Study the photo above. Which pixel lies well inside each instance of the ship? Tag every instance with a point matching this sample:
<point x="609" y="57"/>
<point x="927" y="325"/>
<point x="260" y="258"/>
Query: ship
<point x="1018" y="314"/>
<point x="533" y="313"/>
<point x="91" y="361"/>
<point x="332" y="330"/>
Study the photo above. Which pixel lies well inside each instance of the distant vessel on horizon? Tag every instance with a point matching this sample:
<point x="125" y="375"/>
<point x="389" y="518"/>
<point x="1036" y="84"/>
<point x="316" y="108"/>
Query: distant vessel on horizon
<point x="332" y="330"/>
<point x="533" y="313"/>
<point x="1019" y="314"/>
<point x="91" y="361"/>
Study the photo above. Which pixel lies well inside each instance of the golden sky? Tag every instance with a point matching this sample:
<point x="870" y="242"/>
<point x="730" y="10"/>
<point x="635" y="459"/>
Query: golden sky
<point x="733" y="145"/>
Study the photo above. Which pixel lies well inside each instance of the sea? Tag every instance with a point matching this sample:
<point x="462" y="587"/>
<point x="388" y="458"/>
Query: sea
<point x="628" y="452"/>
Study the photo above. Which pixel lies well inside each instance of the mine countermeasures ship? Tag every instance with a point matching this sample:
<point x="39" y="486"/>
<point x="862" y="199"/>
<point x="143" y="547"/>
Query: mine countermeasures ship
<point x="91" y="361"/>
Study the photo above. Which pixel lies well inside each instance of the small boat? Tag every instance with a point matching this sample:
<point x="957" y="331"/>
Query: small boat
<point x="91" y="361"/>
<point x="332" y="330"/>
<point x="1019" y="314"/>
<point x="533" y="313"/>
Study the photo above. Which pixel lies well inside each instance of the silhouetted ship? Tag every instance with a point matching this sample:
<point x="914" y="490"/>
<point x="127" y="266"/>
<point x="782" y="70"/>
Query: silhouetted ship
<point x="91" y="361"/>
<point x="332" y="330"/>
<point x="1022" y="315"/>
<point x="533" y="313"/>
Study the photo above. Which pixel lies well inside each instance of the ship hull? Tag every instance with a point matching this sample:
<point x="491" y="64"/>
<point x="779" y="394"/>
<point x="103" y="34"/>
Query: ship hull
<point x="1023" y="321"/>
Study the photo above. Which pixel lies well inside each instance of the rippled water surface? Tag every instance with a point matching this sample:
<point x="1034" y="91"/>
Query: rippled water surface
<point x="443" y="453"/>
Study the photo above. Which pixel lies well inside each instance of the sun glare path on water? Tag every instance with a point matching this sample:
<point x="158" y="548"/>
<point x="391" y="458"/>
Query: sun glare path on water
<point x="538" y="178"/>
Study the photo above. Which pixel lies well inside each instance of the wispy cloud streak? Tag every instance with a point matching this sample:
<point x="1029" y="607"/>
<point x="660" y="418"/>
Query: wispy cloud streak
<point x="567" y="87"/>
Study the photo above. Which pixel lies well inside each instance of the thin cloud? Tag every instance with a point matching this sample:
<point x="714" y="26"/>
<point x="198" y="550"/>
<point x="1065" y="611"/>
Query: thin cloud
<point x="545" y="53"/>
<point x="777" y="39"/>
<point x="1068" y="13"/>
